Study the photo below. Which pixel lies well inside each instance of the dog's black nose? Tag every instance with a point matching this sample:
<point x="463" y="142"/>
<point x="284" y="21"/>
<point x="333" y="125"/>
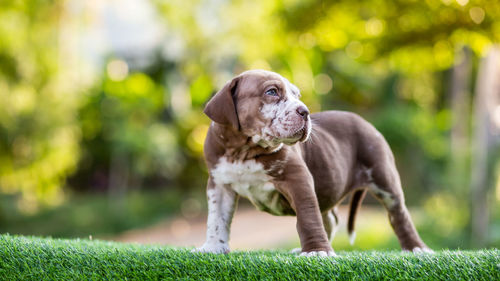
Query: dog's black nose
<point x="303" y="111"/>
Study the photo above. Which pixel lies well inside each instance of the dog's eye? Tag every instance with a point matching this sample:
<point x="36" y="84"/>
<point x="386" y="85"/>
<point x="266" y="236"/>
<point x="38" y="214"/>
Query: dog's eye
<point x="271" y="92"/>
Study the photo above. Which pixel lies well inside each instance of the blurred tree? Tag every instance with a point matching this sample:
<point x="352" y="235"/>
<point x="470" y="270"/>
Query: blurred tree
<point x="38" y="133"/>
<point x="487" y="100"/>
<point x="125" y="137"/>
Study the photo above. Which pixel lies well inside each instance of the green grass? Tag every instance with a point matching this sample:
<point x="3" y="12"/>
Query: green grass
<point x="32" y="258"/>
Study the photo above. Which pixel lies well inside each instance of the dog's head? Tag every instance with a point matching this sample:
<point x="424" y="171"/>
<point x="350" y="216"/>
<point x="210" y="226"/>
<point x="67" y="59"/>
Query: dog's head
<point x="262" y="105"/>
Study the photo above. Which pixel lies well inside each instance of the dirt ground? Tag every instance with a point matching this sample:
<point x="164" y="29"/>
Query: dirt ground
<point x="251" y="229"/>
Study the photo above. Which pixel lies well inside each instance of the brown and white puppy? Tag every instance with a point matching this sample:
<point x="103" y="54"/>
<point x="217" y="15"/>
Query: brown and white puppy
<point x="264" y="145"/>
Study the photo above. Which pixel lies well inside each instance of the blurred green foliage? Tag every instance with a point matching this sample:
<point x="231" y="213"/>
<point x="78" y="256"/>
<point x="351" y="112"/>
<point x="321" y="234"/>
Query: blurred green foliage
<point x="39" y="134"/>
<point x="141" y="126"/>
<point x="92" y="214"/>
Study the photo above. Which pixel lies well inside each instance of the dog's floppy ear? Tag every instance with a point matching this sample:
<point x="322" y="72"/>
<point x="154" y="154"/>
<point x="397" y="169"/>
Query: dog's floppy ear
<point x="221" y="107"/>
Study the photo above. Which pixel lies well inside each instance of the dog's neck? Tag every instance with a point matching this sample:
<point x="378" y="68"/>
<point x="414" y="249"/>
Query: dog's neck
<point x="238" y="146"/>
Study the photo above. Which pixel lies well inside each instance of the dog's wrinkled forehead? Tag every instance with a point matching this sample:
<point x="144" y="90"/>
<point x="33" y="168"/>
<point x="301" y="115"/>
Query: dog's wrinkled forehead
<point x="253" y="82"/>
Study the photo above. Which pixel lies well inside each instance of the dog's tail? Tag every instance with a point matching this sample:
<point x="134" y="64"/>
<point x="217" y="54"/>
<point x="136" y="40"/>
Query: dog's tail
<point x="356" y="199"/>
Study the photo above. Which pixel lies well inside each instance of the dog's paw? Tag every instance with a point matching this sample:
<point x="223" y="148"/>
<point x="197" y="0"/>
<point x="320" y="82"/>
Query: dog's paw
<point x="422" y="250"/>
<point x="212" y="248"/>
<point x="318" y="254"/>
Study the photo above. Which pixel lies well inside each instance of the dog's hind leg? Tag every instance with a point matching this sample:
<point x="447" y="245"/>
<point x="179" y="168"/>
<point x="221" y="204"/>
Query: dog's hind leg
<point x="386" y="187"/>
<point x="330" y="223"/>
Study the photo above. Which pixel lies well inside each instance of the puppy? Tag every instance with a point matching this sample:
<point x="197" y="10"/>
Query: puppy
<point x="263" y="144"/>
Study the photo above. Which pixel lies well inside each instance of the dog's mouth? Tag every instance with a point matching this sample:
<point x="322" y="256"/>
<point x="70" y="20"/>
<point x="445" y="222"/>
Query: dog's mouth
<point x="304" y="132"/>
<point x="301" y="135"/>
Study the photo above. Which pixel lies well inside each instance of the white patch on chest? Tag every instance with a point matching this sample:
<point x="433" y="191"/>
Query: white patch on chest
<point x="249" y="179"/>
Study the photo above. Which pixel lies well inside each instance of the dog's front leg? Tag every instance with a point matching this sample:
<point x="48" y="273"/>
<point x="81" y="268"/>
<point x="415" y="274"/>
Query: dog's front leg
<point x="221" y="205"/>
<point x="313" y="238"/>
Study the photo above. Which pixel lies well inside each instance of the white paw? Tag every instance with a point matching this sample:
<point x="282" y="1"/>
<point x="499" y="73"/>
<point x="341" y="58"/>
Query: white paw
<point x="418" y="250"/>
<point x="219" y="248"/>
<point x="318" y="254"/>
<point x="296" y="251"/>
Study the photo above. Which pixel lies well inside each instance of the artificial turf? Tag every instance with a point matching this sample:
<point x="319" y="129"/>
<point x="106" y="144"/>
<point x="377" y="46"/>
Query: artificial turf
<point x="32" y="258"/>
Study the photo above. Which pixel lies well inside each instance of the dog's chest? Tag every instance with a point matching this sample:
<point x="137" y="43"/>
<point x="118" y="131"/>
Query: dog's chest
<point x="249" y="179"/>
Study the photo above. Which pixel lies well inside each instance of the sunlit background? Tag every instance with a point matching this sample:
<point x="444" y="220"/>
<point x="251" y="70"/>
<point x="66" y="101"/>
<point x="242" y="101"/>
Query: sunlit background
<point x="102" y="130"/>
